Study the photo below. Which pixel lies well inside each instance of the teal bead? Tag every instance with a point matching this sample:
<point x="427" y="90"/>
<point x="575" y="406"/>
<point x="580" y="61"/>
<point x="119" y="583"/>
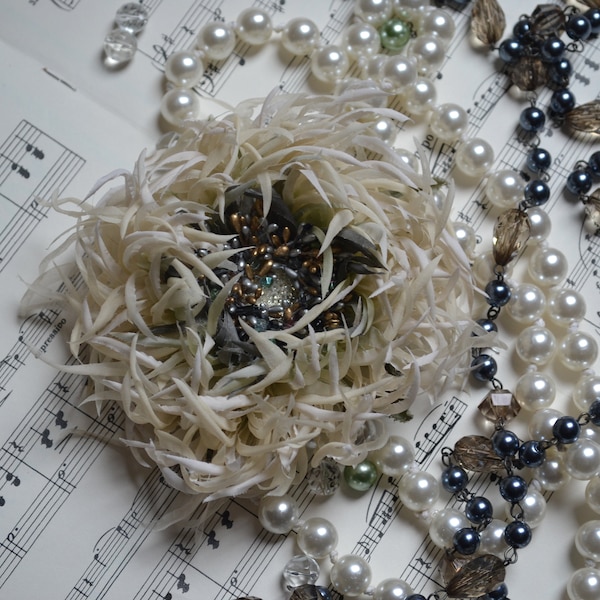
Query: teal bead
<point x="395" y="34"/>
<point x="361" y="477"/>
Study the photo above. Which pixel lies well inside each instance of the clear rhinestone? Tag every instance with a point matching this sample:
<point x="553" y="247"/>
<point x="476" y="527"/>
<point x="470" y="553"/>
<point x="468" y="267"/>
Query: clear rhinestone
<point x="475" y="453"/>
<point x="300" y="570"/>
<point x="324" y="479"/>
<point x="499" y="405"/>
<point x="477" y="577"/>
<point x="132" y="17"/>
<point x="119" y="46"/>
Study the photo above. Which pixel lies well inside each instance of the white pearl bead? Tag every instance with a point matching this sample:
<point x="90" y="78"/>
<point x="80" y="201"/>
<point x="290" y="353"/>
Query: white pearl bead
<point x="253" y="26"/>
<point x="329" y="64"/>
<point x="586" y="390"/>
<point x="350" y="575"/>
<point x="317" y="537"/>
<point x="420" y="97"/>
<point x="552" y="475"/>
<point x="584" y="584"/>
<point x="439" y="22"/>
<point x="566" y="306"/>
<point x="541" y="423"/>
<point x="439" y="198"/>
<point x="397" y="74"/>
<point x="373" y="67"/>
<point x="492" y="538"/>
<point x="385" y="130"/>
<point x="582" y="459"/>
<point x="548" y="266"/>
<point x="374" y="12"/>
<point x="392" y="589"/>
<point x="361" y="39"/>
<point x="527" y="303"/>
<point x="578" y="351"/>
<point x="483" y="268"/>
<point x="504" y="188"/>
<point x="278" y="514"/>
<point x="416" y="5"/>
<point x="179" y="105"/>
<point x="444" y="524"/>
<point x="408" y="158"/>
<point x="474" y="157"/>
<point x="534" y="508"/>
<point x="300" y="36"/>
<point x="448" y="121"/>
<point x="587" y="540"/>
<point x="429" y="50"/>
<point x="535" y="391"/>
<point x="216" y="40"/>
<point x="536" y="345"/>
<point x="184" y="69"/>
<point x="466" y="237"/>
<point x="418" y="490"/>
<point x="395" y="457"/>
<point x="592" y="494"/>
<point x="590" y="432"/>
<point x="539" y="224"/>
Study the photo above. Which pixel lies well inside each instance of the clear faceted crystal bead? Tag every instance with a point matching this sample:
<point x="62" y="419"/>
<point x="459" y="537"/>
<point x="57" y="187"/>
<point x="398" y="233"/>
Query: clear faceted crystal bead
<point x="592" y="209"/>
<point x="300" y="570"/>
<point x="324" y="479"/>
<point x="511" y="233"/>
<point x="499" y="405"/>
<point x="310" y="592"/>
<point x="119" y="46"/>
<point x="132" y="17"/>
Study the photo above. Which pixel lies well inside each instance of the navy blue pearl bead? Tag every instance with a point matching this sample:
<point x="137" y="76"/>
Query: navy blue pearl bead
<point x="594" y="164"/>
<point x="536" y="193"/>
<point x="517" y="534"/>
<point x="500" y="593"/>
<point x="513" y="488"/>
<point x="522" y="31"/>
<point x="539" y="160"/>
<point x="466" y="541"/>
<point x="505" y="443"/>
<point x="594" y="413"/>
<point x="484" y="367"/>
<point x="593" y="16"/>
<point x="552" y="49"/>
<point x="498" y="292"/>
<point x="578" y="27"/>
<point x="579" y="182"/>
<point x="454" y="479"/>
<point x="566" y="430"/>
<point x="562" y="102"/>
<point x="532" y="119"/>
<point x="488" y="325"/>
<point x="560" y="72"/>
<point x="479" y="510"/>
<point x="531" y="454"/>
<point x="511" y="50"/>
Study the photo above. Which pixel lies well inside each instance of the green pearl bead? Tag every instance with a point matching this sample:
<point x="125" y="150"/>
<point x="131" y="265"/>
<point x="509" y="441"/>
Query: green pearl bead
<point x="395" y="34"/>
<point x="361" y="477"/>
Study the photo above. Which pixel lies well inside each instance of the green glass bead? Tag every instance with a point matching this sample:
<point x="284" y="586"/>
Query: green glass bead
<point x="395" y="34"/>
<point x="361" y="477"/>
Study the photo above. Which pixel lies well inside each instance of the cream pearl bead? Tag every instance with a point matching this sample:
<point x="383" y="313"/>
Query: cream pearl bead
<point x="466" y="237"/>
<point x="439" y="22"/>
<point x="417" y="5"/>
<point x="535" y="391"/>
<point x="504" y="188"/>
<point x="592" y="494"/>
<point x="587" y="540"/>
<point x="548" y="266"/>
<point x="374" y="12"/>
<point x="179" y="105"/>
<point x="584" y="584"/>
<point x="184" y="69"/>
<point x="300" y="36"/>
<point x="527" y="303"/>
<point x="536" y="345"/>
<point x="216" y="40"/>
<point x="541" y="423"/>
<point x="492" y="538"/>
<point x="397" y="73"/>
<point x="394" y="458"/>
<point x="429" y="50"/>
<point x="578" y="351"/>
<point x="278" y="514"/>
<point x="444" y="524"/>
<point x="586" y="390"/>
<point x="552" y="475"/>
<point x="582" y="459"/>
<point x="392" y="589"/>
<point x="408" y="158"/>
<point x="418" y="490"/>
<point x="350" y="575"/>
<point x="448" y="121"/>
<point x="317" y="537"/>
<point x="566" y="306"/>
<point x="361" y="40"/>
<point x="474" y="157"/>
<point x="385" y="130"/>
<point x="373" y="67"/>
<point x="254" y="26"/>
<point x="539" y="224"/>
<point x="534" y="508"/>
<point x="420" y="97"/>
<point x="329" y="64"/>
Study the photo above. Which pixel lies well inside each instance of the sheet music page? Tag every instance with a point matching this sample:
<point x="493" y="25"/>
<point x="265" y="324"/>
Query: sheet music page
<point x="77" y="513"/>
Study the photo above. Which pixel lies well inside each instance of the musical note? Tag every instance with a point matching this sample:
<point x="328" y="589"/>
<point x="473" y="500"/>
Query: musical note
<point x="212" y="539"/>
<point x="225" y="520"/>
<point x="11" y="477"/>
<point x="185" y="550"/>
<point x="16" y="446"/>
<point x="2" y="501"/>
<point x="182" y="584"/>
<point x="45" y="439"/>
